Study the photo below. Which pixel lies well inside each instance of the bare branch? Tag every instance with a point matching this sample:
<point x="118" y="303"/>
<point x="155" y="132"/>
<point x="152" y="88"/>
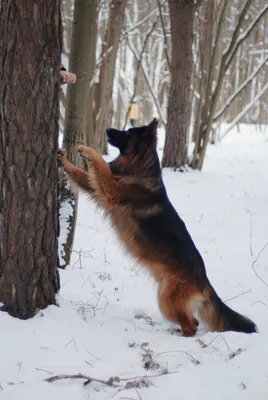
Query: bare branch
<point x="239" y="89"/>
<point x="238" y="295"/>
<point x="165" y="34"/>
<point x="191" y="358"/>
<point x="216" y="45"/>
<point x="88" y="379"/>
<point x="113" y="381"/>
<point x="139" y="23"/>
<point x="235" y="35"/>
<point x="231" y="53"/>
<point x="235" y="353"/>
<point x="148" y="83"/>
<point x="220" y="336"/>
<point x="153" y="96"/>
<point x="139" y="59"/>
<point x="245" y="110"/>
<point x="256" y="261"/>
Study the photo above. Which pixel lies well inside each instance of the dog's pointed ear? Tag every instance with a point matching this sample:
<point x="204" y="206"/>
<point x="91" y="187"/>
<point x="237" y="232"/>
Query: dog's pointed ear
<point x="151" y="128"/>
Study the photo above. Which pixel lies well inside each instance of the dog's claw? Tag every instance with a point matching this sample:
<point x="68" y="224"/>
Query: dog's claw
<point x="84" y="156"/>
<point x="61" y="153"/>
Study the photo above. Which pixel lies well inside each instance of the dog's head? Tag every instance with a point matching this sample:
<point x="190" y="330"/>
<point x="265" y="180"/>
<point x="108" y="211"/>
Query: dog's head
<point x="138" y="155"/>
<point x="134" y="141"/>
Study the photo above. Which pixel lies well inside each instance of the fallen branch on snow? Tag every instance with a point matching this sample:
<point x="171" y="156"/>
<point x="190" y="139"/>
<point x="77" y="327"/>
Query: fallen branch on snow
<point x="113" y="381"/>
<point x="191" y="358"/>
<point x="231" y="355"/>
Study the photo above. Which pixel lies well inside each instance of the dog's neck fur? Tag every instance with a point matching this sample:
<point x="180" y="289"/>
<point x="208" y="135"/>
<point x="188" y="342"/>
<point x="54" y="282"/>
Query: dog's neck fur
<point x="148" y="165"/>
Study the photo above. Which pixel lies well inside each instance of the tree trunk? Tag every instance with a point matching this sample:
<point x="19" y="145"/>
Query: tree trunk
<point x="179" y="111"/>
<point x="103" y="91"/>
<point x="205" y="70"/>
<point x="30" y="49"/>
<point x="81" y="56"/>
<point x="83" y="34"/>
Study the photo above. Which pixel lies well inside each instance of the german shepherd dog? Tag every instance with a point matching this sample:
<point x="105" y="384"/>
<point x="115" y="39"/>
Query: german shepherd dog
<point x="131" y="191"/>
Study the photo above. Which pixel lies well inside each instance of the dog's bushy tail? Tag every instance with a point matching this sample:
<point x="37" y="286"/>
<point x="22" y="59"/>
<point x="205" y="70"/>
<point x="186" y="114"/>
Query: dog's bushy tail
<point x="217" y="316"/>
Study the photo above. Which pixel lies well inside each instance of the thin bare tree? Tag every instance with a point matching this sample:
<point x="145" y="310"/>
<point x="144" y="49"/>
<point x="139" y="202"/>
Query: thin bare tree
<point x="82" y="57"/>
<point x="100" y="111"/>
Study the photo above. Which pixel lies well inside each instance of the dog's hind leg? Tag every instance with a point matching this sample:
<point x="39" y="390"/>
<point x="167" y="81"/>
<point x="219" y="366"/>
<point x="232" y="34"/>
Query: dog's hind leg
<point x="175" y="302"/>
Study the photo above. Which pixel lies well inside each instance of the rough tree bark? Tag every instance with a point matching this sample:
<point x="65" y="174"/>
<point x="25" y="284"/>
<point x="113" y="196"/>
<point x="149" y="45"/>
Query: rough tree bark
<point x="30" y="48"/>
<point x="103" y="108"/>
<point x="83" y="38"/>
<point x="179" y="112"/>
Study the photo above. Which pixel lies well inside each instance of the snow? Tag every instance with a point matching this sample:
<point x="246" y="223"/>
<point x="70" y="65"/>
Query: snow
<point x="94" y="330"/>
<point x="66" y="209"/>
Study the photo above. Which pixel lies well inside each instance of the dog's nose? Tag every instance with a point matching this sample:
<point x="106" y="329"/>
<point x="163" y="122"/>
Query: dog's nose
<point x="108" y="133"/>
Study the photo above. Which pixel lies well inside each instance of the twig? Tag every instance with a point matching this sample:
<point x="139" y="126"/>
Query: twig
<point x="72" y="340"/>
<point x="148" y="84"/>
<point x="191" y="358"/>
<point x="241" y="294"/>
<point x="256" y="261"/>
<point x="235" y="353"/>
<point x="139" y="23"/>
<point x="258" y="301"/>
<point x="165" y="35"/>
<point x="88" y="379"/>
<point x="222" y="339"/>
<point x="88" y="363"/>
<point x="139" y="61"/>
<point x="201" y="343"/>
<point x="127" y="398"/>
<point x="231" y="354"/>
<point x="229" y="52"/>
<point x="136" y="390"/>
<point x="93" y="355"/>
<point x="239" y="89"/>
<point x="238" y="40"/>
<point x="245" y="110"/>
<point x="43" y="370"/>
<point x="164" y="372"/>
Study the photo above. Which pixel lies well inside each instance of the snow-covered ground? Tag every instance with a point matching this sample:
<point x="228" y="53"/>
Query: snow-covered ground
<point x="108" y="323"/>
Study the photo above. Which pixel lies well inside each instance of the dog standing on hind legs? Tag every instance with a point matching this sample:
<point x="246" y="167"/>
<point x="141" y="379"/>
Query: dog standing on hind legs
<point x="131" y="191"/>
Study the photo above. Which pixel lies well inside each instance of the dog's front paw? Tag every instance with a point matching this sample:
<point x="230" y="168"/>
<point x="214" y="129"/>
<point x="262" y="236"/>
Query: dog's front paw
<point x="86" y="152"/>
<point x="61" y="153"/>
<point x="61" y="157"/>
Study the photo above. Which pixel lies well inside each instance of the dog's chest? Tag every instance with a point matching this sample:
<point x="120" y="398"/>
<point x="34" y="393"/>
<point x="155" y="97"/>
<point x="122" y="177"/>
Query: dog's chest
<point x="127" y="229"/>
